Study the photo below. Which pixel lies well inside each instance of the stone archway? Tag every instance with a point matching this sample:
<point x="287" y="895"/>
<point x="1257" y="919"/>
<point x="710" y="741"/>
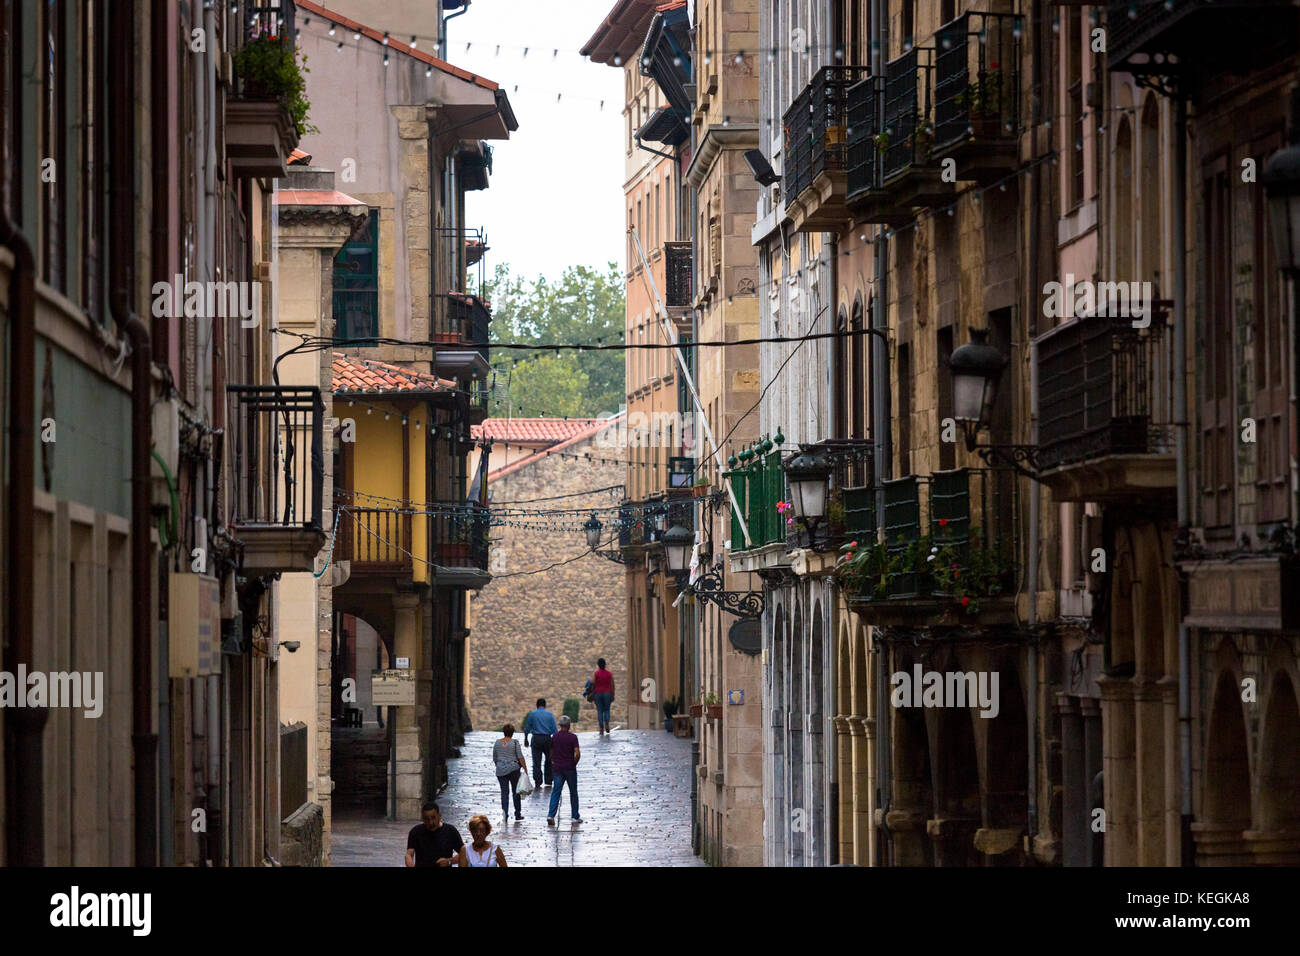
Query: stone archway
<point x="955" y="771"/>
<point x="800" y="821"/>
<point x="780" y="765"/>
<point x="912" y="798"/>
<point x="817" y="843"/>
<point x="1006" y="772"/>
<point x="1226" y="806"/>
<point x="1277" y="840"/>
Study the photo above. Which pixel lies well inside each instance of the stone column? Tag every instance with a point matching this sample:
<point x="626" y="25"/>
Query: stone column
<point x="1119" y="762"/>
<point x="862" y="742"/>
<point x="1090" y="714"/>
<point x="844" y="774"/>
<point x="1075" y="815"/>
<point x="406" y="643"/>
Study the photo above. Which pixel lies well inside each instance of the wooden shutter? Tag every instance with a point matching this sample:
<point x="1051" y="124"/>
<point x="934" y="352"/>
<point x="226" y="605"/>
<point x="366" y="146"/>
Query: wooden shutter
<point x="1218" y="431"/>
<point x="1272" y="466"/>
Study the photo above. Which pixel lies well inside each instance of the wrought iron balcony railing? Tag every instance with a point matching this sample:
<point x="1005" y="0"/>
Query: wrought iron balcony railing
<point x="862" y="150"/>
<point x="276" y="439"/>
<point x="466" y="322"/>
<point x="816" y="128"/>
<point x="948" y="536"/>
<point x="460" y="533"/>
<point x="1104" y="388"/>
<point x="1165" y="37"/>
<point x="977" y="80"/>
<point x="908" y="137"/>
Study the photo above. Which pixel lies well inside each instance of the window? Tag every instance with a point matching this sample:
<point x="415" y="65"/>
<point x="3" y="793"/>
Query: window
<point x="909" y="25"/>
<point x="840" y="347"/>
<point x="1074" y="95"/>
<point x="1271" y="419"/>
<point x="947" y="449"/>
<point x="356" y="284"/>
<point x="93" y="151"/>
<point x="904" y="409"/>
<point x="53" y="126"/>
<point x="1217" y="412"/>
<point x="9" y="167"/>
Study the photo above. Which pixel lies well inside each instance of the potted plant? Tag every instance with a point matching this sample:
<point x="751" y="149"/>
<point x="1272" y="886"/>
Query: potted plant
<point x="700" y="489"/>
<point x="835" y="516"/>
<point x="882" y="141"/>
<point x="670" y="708"/>
<point x="265" y="122"/>
<point x="712" y="706"/>
<point x="269" y="69"/>
<point x="571" y="707"/>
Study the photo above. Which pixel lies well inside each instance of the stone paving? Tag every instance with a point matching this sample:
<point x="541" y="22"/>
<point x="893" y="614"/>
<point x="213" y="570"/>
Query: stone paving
<point x="634" y="797"/>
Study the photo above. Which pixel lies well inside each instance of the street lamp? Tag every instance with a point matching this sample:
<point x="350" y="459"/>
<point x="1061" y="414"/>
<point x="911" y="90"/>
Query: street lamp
<point x="1281" y="179"/>
<point x="809" y="477"/>
<point x="592" y="530"/>
<point x="677" y="542"/>
<point x="976" y="369"/>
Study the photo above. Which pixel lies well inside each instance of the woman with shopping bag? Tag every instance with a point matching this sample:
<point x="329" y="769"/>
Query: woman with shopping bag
<point x="508" y="757"/>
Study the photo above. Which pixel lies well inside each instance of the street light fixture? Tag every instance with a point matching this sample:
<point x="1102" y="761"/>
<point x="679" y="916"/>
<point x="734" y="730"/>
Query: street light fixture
<point x="592" y="530"/>
<point x="677" y="542"/>
<point x="976" y="370"/>
<point x="809" y="477"/>
<point x="1281" y="180"/>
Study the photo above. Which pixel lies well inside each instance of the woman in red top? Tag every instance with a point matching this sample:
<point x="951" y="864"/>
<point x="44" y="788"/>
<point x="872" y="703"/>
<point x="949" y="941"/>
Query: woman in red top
<point x="602" y="688"/>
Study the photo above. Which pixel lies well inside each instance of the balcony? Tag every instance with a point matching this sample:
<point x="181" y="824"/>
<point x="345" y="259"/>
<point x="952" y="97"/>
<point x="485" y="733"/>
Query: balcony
<point x="1237" y="36"/>
<point x="851" y="501"/>
<point x="892" y="170"/>
<point x="462" y="332"/>
<point x="259" y="131"/>
<point x="758" y="483"/>
<point x="678" y="269"/>
<point x="815" y="185"/>
<point x="1105" y="409"/>
<point x="375" y="540"/>
<point x="977" y="95"/>
<point x="948" y="552"/>
<point x="275" y="437"/>
<point x="461" y="542"/>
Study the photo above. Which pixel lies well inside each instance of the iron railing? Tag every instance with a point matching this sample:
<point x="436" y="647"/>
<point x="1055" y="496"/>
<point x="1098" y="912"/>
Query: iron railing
<point x="460" y="532"/>
<point x="816" y="128"/>
<point x="863" y="151"/>
<point x="948" y="534"/>
<point x="908" y="111"/>
<point x="677" y="275"/>
<point x="466" y="321"/>
<point x="977" y="78"/>
<point x="278" y="458"/>
<point x="851" y="506"/>
<point x="1104" y="388"/>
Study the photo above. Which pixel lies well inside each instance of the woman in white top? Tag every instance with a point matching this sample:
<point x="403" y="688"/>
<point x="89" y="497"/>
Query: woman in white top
<point x="479" y="852"/>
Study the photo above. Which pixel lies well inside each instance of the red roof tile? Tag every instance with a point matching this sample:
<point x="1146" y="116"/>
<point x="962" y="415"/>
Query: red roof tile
<point x="314" y="197"/>
<point x="533" y="431"/>
<point x="591" y="430"/>
<point x="358" y="376"/>
<point x="621" y="32"/>
<point x="316" y="10"/>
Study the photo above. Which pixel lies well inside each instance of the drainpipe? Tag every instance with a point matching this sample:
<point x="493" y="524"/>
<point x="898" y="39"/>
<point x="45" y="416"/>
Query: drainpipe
<point x="24" y="727"/>
<point x="1035" y="490"/>
<point x="880" y="427"/>
<point x="122" y="224"/>
<point x="442" y="40"/>
<point x="1180" y="457"/>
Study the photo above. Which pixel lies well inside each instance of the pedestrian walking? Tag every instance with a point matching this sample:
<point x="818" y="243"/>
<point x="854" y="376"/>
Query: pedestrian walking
<point x="508" y="757"/>
<point x="541" y="724"/>
<point x="565" y="755"/>
<point x="602" y="686"/>
<point x="432" y="843"/>
<point x="479" y="852"/>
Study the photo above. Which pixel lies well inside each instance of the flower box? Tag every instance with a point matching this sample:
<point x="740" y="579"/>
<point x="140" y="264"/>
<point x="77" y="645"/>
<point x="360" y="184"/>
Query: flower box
<point x="697" y="710"/>
<point x="715" y="711"/>
<point x="260" y="135"/>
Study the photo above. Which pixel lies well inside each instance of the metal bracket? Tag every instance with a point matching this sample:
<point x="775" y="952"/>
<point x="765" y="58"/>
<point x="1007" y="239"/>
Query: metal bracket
<point x="1022" y="458"/>
<point x="744" y="604"/>
<point x="615" y="556"/>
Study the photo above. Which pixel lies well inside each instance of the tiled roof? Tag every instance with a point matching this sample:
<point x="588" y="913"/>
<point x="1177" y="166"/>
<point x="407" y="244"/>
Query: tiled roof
<point x="314" y="197"/>
<point x="358" y="376"/>
<point x="316" y="10"/>
<point x="541" y="431"/>
<point x="591" y="430"/>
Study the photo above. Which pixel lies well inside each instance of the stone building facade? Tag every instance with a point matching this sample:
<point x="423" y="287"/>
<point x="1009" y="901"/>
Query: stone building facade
<point x="540" y="635"/>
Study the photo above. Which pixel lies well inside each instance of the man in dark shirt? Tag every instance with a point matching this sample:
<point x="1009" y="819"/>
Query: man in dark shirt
<point x="565" y="755"/>
<point x="432" y="843"/>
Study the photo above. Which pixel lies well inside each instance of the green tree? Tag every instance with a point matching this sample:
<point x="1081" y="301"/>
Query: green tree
<point x="584" y="306"/>
<point x="547" y="386"/>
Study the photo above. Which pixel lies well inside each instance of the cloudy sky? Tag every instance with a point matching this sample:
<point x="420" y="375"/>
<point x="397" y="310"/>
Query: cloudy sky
<point x="557" y="184"/>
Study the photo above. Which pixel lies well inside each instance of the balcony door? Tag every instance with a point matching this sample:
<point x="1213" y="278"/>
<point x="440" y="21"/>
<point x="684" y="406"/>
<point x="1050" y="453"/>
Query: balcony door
<point x="1218" y="429"/>
<point x="1272" y="468"/>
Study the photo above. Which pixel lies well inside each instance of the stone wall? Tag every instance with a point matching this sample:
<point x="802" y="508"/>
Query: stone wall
<point x="302" y="837"/>
<point x="539" y="635"/>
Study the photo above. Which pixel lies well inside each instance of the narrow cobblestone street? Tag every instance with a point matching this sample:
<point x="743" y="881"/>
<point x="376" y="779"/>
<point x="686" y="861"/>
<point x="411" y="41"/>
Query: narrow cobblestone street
<point x="634" y="793"/>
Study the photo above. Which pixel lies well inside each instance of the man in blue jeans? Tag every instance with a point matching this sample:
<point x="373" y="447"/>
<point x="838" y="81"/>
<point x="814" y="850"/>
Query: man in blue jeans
<point x="541" y="724"/>
<point x="565" y="755"/>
